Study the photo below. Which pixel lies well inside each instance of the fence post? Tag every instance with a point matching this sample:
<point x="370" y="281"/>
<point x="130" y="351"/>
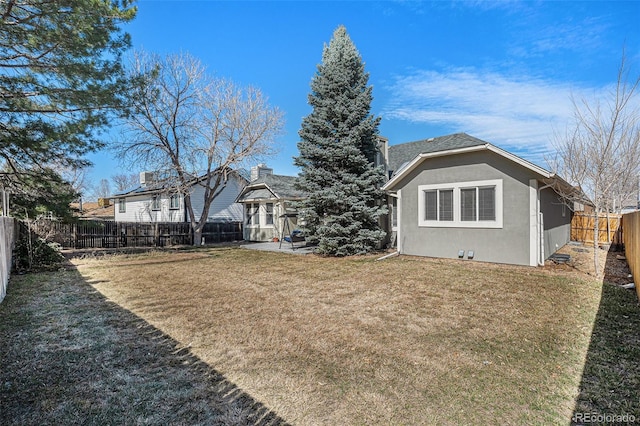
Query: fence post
<point x="631" y="235"/>
<point x="156" y="235"/>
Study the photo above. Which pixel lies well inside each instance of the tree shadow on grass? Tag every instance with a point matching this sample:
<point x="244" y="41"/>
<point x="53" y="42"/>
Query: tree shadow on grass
<point x="610" y="382"/>
<point x="69" y="356"/>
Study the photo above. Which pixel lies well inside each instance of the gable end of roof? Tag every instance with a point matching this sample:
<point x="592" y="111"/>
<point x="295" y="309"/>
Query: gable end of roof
<point x="421" y="157"/>
<point x="405" y="152"/>
<point x="282" y="187"/>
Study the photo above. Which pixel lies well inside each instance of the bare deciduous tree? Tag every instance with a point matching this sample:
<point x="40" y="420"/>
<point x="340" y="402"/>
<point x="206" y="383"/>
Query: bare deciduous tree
<point x="102" y="189"/>
<point x="193" y="130"/>
<point x="123" y="182"/>
<point x="76" y="176"/>
<point x="600" y="151"/>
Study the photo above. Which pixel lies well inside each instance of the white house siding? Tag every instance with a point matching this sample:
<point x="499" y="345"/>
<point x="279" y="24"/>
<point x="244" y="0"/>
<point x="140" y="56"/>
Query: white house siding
<point x="223" y="206"/>
<point x="138" y="209"/>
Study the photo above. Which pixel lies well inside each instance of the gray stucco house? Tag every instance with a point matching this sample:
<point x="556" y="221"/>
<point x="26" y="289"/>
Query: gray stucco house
<point x="457" y="196"/>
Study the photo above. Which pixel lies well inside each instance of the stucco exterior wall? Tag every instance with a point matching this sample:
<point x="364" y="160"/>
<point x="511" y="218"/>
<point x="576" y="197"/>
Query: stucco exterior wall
<point x="509" y="244"/>
<point x="557" y="221"/>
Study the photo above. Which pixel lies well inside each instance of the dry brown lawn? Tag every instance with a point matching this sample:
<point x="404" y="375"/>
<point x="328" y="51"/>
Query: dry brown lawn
<point x="354" y="341"/>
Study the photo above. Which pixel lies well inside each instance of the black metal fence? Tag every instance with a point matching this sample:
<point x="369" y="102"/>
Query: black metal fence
<point x="111" y="234"/>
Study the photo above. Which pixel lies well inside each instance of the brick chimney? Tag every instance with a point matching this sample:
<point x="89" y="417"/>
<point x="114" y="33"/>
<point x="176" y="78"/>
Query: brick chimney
<point x="259" y="171"/>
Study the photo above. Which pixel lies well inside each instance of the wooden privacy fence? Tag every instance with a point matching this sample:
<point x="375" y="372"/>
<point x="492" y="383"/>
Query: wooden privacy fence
<point x="610" y="231"/>
<point x="110" y="234"/>
<point x="632" y="245"/>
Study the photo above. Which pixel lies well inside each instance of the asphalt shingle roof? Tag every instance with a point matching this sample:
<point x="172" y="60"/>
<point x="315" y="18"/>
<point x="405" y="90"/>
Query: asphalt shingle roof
<point x="405" y="152"/>
<point x="282" y="186"/>
<point x="93" y="210"/>
<point x="158" y="186"/>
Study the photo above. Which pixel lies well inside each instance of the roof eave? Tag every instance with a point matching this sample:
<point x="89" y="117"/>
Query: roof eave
<point x="136" y="192"/>
<point x="489" y="147"/>
<point x="521" y="161"/>
<point x="251" y="187"/>
<point x="413" y="164"/>
<point x="191" y="182"/>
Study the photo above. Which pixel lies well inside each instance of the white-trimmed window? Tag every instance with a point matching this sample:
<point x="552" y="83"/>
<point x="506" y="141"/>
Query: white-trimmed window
<point x="438" y="204"/>
<point x="394" y="213"/>
<point x="259" y="214"/>
<point x="251" y="215"/>
<point x="122" y="205"/>
<point x="476" y="204"/>
<point x="155" y="202"/>
<point x="174" y="202"/>
<point x="268" y="218"/>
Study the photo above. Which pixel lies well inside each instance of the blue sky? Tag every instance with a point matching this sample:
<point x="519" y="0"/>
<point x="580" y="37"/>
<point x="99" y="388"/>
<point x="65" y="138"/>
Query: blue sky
<point x="500" y="71"/>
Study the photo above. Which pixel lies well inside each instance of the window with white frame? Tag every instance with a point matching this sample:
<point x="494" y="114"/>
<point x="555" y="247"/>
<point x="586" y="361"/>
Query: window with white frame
<point x="155" y="202"/>
<point x="250" y="213"/>
<point x="394" y="212"/>
<point x="259" y="214"/>
<point x="122" y="205"/>
<point x="268" y="219"/>
<point x="438" y="204"/>
<point x="476" y="204"/>
<point x="174" y="202"/>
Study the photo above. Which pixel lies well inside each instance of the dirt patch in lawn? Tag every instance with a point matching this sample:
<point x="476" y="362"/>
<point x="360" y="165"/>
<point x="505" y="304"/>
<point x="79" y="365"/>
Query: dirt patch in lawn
<point x="612" y="265"/>
<point x="355" y="341"/>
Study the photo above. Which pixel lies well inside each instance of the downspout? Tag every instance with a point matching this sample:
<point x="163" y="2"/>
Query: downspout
<point x="539" y="225"/>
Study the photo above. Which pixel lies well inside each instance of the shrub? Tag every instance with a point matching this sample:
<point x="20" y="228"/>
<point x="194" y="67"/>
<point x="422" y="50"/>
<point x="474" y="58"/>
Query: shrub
<point x="35" y="254"/>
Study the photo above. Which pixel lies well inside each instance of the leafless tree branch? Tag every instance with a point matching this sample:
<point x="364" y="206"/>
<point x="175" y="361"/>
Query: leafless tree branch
<point x="194" y="129"/>
<point x="600" y="151"/>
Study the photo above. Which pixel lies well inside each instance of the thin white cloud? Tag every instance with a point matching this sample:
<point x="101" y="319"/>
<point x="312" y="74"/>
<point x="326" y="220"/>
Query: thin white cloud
<point x="517" y="113"/>
<point x="578" y="36"/>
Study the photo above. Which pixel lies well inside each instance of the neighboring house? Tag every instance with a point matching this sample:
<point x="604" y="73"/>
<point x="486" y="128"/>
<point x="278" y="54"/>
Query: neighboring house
<point x="457" y="196"/>
<point x="152" y="202"/>
<point x="101" y="210"/>
<point x="267" y="201"/>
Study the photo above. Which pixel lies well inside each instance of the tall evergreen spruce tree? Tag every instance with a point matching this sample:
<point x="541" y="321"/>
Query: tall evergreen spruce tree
<point x="337" y="151"/>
